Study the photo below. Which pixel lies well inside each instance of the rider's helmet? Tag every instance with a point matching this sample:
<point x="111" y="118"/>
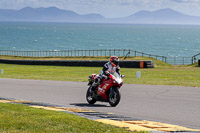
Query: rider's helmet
<point x="114" y="60"/>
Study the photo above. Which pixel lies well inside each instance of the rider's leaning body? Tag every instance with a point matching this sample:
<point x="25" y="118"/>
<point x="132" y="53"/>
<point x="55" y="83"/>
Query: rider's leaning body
<point x="109" y="68"/>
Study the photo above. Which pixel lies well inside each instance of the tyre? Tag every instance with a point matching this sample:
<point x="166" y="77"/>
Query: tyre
<point x="89" y="97"/>
<point x="115" y="97"/>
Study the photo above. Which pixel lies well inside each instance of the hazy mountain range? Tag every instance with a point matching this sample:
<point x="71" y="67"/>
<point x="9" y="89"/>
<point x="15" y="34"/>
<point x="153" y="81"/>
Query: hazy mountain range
<point x="53" y="14"/>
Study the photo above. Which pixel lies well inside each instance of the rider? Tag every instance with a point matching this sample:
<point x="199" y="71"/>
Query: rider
<point x="109" y="68"/>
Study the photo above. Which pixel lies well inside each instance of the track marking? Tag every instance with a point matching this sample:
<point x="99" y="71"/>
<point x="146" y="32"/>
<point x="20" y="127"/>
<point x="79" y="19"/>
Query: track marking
<point x="76" y="110"/>
<point x="14" y="101"/>
<point x="147" y="126"/>
<point x="47" y="108"/>
<point x="161" y="126"/>
<point x="4" y="101"/>
<point x="122" y="124"/>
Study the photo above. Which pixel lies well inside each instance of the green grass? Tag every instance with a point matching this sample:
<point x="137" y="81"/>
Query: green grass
<point x="16" y="118"/>
<point x="162" y="74"/>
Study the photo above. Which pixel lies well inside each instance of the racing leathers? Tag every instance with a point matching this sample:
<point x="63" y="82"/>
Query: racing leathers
<point x="108" y="69"/>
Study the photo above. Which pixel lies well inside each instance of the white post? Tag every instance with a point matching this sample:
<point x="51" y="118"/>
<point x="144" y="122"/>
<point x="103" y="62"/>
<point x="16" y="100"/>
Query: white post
<point x="138" y="74"/>
<point x="2" y="71"/>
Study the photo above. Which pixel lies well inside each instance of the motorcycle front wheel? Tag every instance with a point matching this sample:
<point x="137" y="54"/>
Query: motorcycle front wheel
<point x="114" y="97"/>
<point x="89" y="96"/>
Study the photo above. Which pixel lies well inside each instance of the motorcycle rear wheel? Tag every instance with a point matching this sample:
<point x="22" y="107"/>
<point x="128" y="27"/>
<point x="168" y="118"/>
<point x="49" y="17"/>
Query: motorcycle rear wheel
<point x="115" y="98"/>
<point x="90" y="99"/>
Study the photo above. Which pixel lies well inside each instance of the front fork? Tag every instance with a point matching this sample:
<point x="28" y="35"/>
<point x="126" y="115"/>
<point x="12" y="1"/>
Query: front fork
<point x="93" y="93"/>
<point x="112" y="90"/>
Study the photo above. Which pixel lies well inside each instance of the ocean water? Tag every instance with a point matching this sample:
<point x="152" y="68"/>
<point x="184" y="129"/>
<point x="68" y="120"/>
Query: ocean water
<point x="165" y="40"/>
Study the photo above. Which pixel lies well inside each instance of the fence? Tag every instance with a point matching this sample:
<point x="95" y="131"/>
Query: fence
<point x="81" y="53"/>
<point x="101" y="53"/>
<point x="179" y="60"/>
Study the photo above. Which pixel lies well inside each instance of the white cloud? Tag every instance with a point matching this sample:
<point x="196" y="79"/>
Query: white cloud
<point x="187" y="1"/>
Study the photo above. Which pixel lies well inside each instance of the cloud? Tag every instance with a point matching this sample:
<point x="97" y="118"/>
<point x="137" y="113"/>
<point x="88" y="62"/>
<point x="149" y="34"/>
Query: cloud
<point x="181" y="1"/>
<point x="187" y="1"/>
<point x="124" y="4"/>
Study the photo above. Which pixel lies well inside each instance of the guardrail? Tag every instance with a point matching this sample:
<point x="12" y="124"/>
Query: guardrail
<point x="81" y="53"/>
<point x="85" y="63"/>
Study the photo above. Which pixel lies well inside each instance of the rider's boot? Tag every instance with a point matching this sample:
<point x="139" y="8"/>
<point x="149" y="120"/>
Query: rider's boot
<point x="95" y="84"/>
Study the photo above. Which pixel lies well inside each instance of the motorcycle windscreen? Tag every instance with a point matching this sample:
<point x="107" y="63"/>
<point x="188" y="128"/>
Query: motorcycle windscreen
<point x="117" y="78"/>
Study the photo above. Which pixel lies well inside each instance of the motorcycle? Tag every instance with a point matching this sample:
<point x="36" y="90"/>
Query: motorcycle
<point x="107" y="91"/>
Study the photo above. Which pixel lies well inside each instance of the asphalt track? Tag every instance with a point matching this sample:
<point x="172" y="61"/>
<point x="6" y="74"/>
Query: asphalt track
<point x="168" y="104"/>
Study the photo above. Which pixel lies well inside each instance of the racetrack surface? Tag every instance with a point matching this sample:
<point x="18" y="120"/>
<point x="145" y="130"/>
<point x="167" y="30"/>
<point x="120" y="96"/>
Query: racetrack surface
<point x="168" y="104"/>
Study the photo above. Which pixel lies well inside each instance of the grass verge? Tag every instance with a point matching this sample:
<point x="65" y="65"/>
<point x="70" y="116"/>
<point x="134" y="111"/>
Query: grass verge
<point x="20" y="118"/>
<point x="162" y="74"/>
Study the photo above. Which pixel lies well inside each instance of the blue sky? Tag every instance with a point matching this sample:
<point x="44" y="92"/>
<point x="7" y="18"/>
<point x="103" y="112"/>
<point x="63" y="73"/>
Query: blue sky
<point x="108" y="8"/>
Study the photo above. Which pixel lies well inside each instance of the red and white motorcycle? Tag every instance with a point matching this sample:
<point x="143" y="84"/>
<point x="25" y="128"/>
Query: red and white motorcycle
<point x="107" y="91"/>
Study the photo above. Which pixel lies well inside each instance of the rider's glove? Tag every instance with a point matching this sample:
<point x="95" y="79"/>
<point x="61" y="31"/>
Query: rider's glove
<point x="107" y="73"/>
<point x="104" y="76"/>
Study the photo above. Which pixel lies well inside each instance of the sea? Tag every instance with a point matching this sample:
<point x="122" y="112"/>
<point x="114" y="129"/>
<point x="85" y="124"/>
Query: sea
<point x="164" y="40"/>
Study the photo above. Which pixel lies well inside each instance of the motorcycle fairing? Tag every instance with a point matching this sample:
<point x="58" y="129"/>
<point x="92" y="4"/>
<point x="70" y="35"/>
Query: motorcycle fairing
<point x="104" y="87"/>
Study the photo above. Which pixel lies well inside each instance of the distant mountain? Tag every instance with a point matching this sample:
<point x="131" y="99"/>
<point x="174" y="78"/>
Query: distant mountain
<point x="50" y="14"/>
<point x="162" y="16"/>
<point x="53" y="14"/>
